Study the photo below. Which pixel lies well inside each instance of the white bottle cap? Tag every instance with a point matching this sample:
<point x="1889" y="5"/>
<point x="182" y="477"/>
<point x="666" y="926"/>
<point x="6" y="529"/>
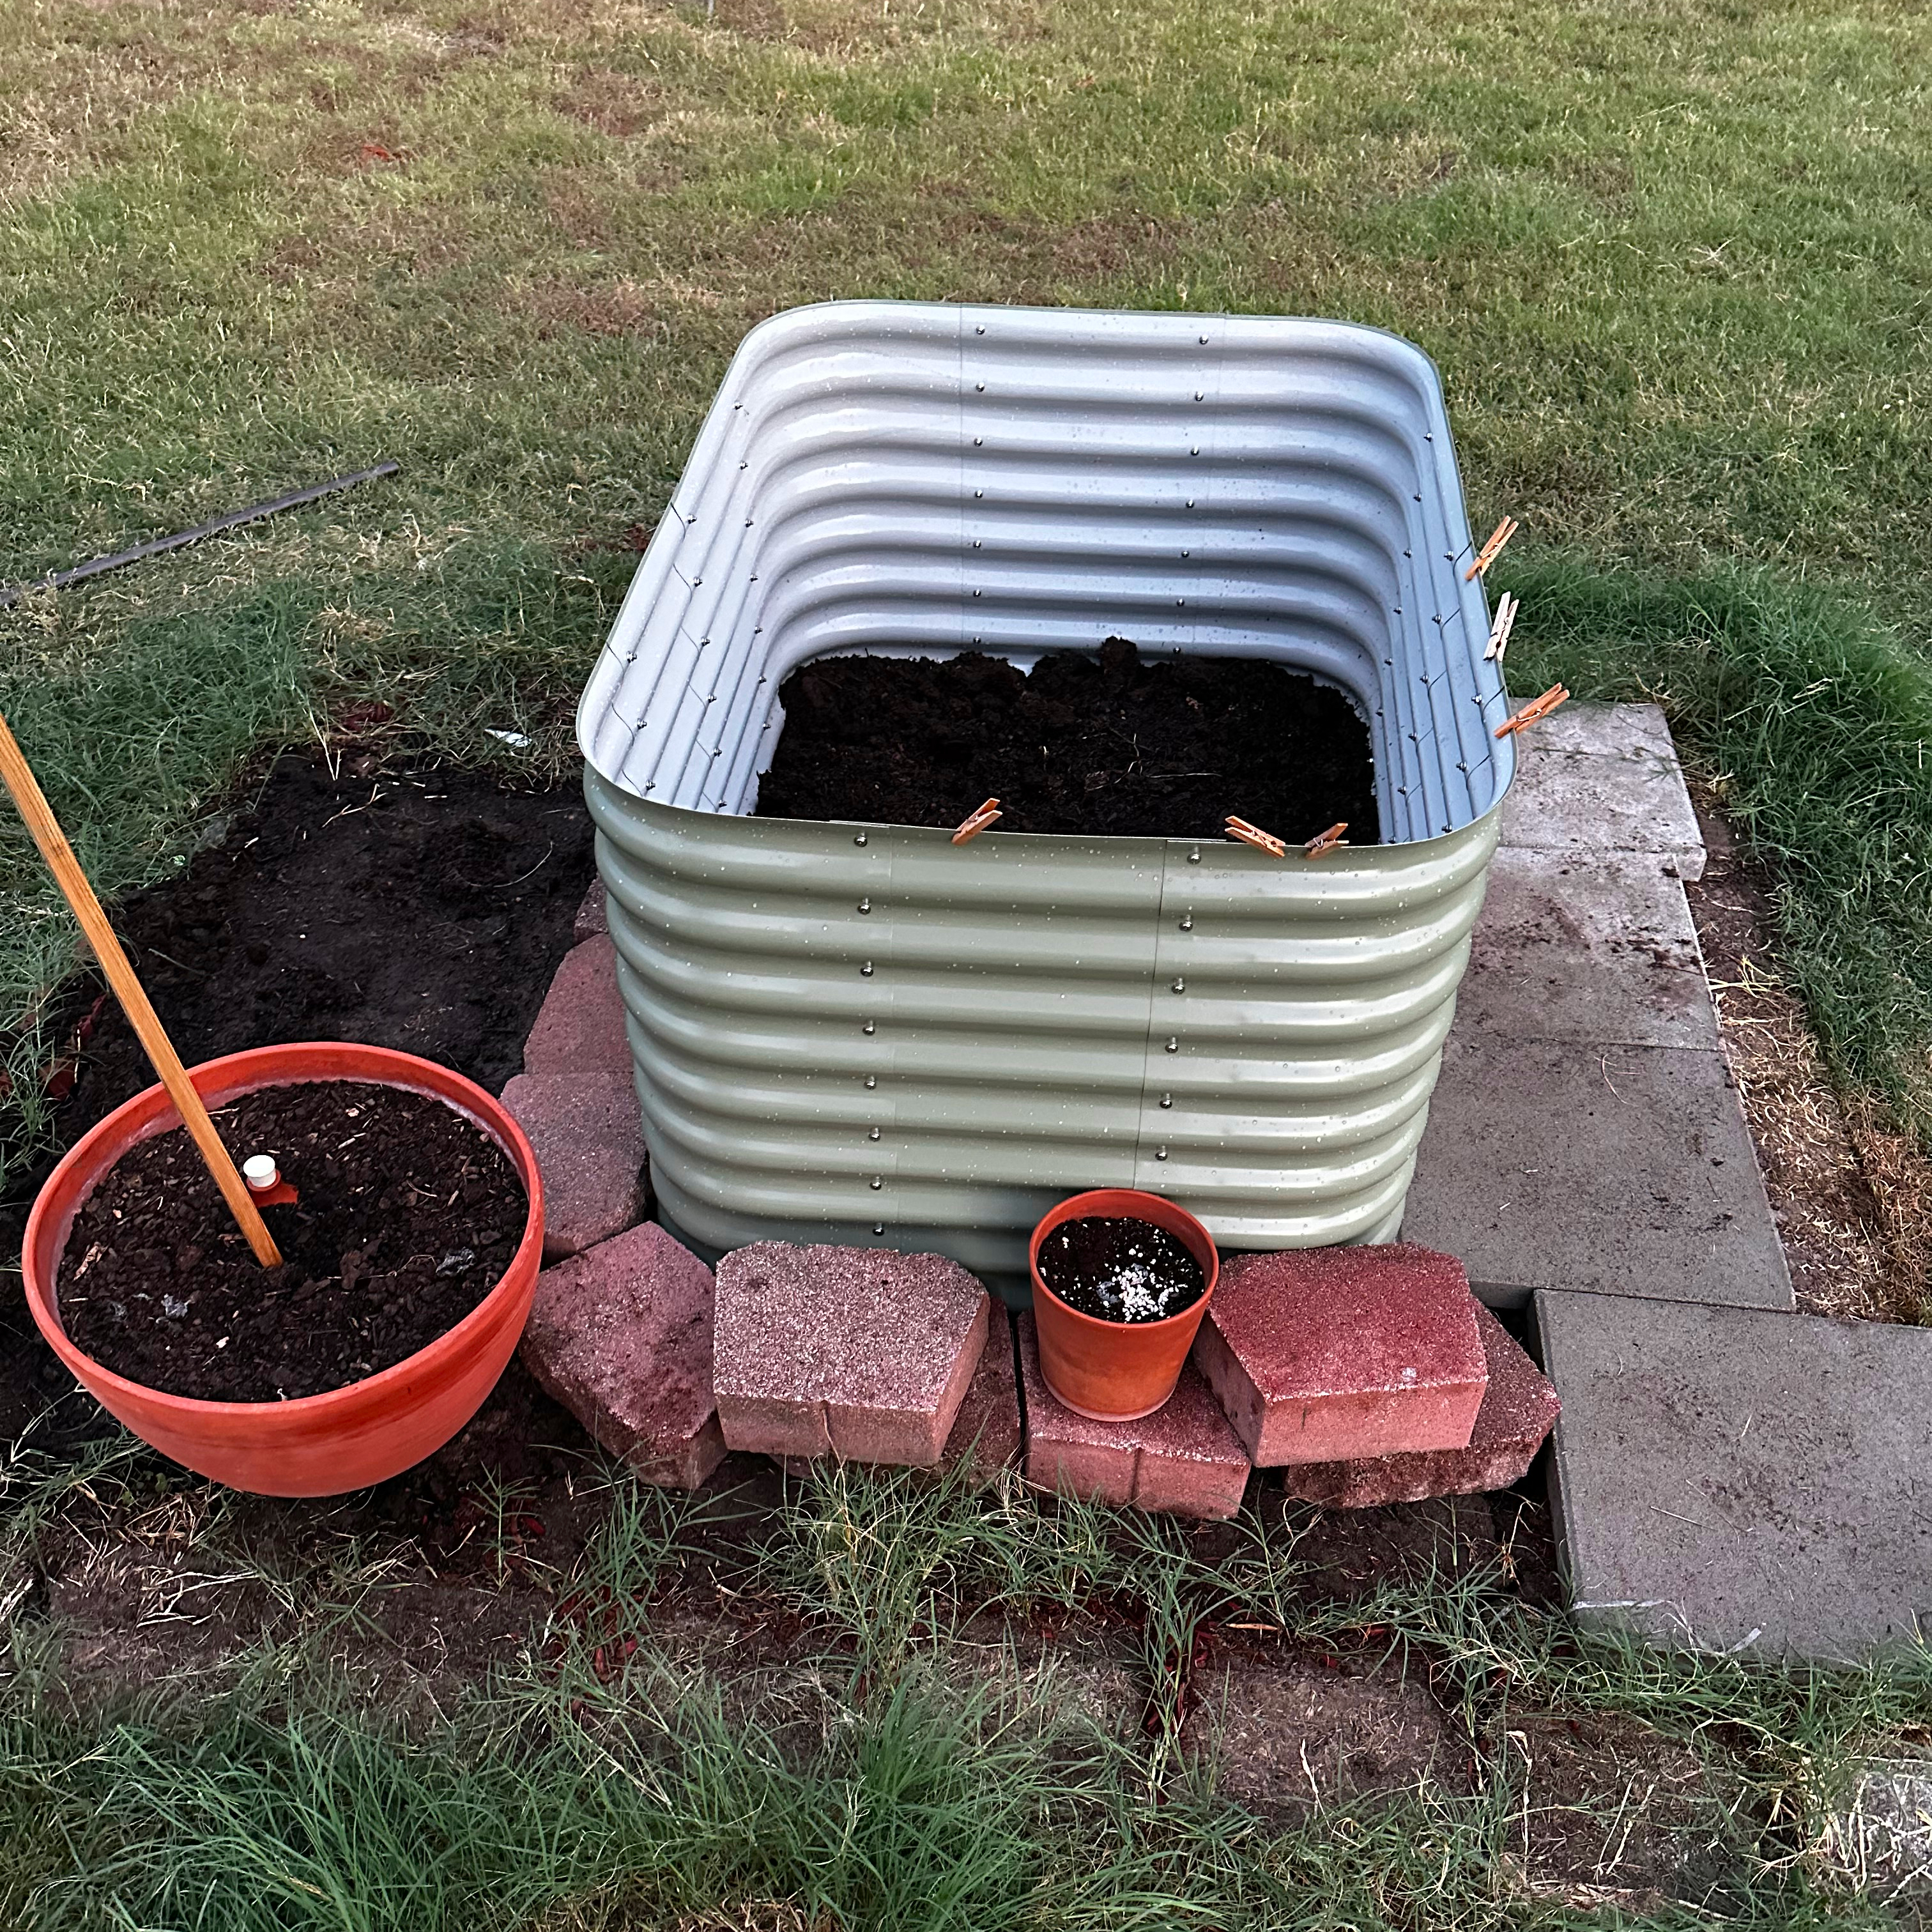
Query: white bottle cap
<point x="259" y="1172"/>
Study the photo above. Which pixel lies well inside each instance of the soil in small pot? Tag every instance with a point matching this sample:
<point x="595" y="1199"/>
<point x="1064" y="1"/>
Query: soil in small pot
<point x="408" y="1216"/>
<point x="1165" y="748"/>
<point x="1121" y="1270"/>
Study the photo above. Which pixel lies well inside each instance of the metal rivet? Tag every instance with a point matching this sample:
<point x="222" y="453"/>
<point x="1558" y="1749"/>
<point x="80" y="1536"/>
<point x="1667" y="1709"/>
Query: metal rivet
<point x="878" y="1227"/>
<point x="859" y="839"/>
<point x="1173" y="1046"/>
<point x="871" y="1080"/>
<point x="1167" y="1099"/>
<point x="744" y="466"/>
<point x="878" y="1180"/>
<point x="1194" y="857"/>
<point x="979" y="440"/>
<point x="866" y="970"/>
<point x="979" y="328"/>
<point x="1187" y="924"/>
<point x="976" y="593"/>
<point x="981" y="387"/>
<point x="696" y="581"/>
<point x="865" y="905"/>
<point x="1184" y="553"/>
<point x="1200" y="395"/>
<point x="1160" y="1154"/>
<point x="1179" y="603"/>
<point x="1204" y="342"/>
<point x="975" y="543"/>
<point x="978" y="493"/>
<point x="869" y="1027"/>
<point x="1190" y="502"/>
<point x="1196" y="450"/>
<point x="1180" y="985"/>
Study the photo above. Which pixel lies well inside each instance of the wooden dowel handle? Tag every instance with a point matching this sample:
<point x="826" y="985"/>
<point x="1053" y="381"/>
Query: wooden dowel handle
<point x="39" y="820"/>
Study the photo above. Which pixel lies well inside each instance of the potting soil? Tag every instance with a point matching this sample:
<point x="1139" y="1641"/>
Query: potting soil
<point x="408" y="1216"/>
<point x="1121" y="1270"/>
<point x="1167" y="748"/>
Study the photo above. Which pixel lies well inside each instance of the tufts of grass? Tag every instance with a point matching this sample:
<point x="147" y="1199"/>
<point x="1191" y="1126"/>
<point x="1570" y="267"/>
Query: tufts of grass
<point x="1813" y="724"/>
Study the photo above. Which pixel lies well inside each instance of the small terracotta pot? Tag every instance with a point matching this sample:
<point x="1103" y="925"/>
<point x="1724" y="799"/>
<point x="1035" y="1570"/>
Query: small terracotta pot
<point x="1117" y="1371"/>
<point x="344" y="1438"/>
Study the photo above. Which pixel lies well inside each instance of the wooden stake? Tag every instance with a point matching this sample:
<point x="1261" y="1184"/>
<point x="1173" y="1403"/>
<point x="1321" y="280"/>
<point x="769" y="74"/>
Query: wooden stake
<point x="40" y="821"/>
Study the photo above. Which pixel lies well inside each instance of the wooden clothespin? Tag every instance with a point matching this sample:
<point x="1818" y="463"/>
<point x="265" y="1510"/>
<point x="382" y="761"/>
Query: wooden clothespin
<point x="1326" y="841"/>
<point x="1536" y="708"/>
<point x="975" y="822"/>
<point x="1499" y="635"/>
<point x="1253" y="834"/>
<point x="1487" y="555"/>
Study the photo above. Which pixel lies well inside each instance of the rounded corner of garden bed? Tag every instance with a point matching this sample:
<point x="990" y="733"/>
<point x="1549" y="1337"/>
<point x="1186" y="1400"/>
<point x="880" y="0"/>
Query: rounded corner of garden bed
<point x="337" y="1439"/>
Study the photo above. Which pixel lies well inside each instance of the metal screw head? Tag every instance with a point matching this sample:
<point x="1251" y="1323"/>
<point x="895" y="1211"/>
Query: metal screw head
<point x="980" y="386"/>
<point x="1187" y="924"/>
<point x="871" y="1080"/>
<point x="978" y="493"/>
<point x="878" y="1180"/>
<point x="866" y="970"/>
<point x="979" y="329"/>
<point x="874" y="1134"/>
<point x="1167" y="1099"/>
<point x="1160" y="1154"/>
<point x="865" y="905"/>
<point x="1194" y="857"/>
<point x="869" y="1027"/>
<point x="878" y="1227"/>
<point x="1200" y="395"/>
<point x="1173" y="1045"/>
<point x="859" y="839"/>
<point x="1180" y="985"/>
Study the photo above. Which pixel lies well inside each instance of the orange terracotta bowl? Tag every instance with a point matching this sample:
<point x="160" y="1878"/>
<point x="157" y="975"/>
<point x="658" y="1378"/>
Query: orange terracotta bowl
<point x="1117" y="1371"/>
<point x="344" y="1438"/>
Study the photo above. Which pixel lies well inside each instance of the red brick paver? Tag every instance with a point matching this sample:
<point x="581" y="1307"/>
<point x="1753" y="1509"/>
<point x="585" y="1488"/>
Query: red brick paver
<point x="1329" y="1354"/>
<point x="622" y="1336"/>
<point x="589" y="1141"/>
<point x="1519" y="1409"/>
<point x="580" y="1028"/>
<point x="859" y="1352"/>
<point x="1183" y="1458"/>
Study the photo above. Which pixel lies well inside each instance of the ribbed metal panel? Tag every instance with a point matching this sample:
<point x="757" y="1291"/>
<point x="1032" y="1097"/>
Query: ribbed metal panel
<point x="1256" y="1037"/>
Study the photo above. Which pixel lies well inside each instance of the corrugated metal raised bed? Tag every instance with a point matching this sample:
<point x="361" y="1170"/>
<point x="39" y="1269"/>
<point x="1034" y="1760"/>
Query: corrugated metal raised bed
<point x="865" y="1034"/>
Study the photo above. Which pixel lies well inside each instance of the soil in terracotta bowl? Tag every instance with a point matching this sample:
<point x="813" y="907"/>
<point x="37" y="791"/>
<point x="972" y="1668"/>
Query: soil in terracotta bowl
<point x="408" y="1216"/>
<point x="1121" y="1270"/>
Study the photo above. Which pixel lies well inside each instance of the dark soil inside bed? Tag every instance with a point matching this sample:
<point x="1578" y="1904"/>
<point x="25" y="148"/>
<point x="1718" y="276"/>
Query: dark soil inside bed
<point x="1121" y="1270"/>
<point x="407" y="1216"/>
<point x="1118" y="745"/>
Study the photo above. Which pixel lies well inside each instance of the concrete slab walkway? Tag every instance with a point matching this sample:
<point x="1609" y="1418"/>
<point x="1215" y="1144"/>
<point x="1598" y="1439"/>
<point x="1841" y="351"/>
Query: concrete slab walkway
<point x="1586" y="1132"/>
<point x="1739" y="1479"/>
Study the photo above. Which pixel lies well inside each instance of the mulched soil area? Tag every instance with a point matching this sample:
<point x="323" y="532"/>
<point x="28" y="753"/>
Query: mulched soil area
<point x="407" y="1215"/>
<point x="400" y="903"/>
<point x="1165" y="749"/>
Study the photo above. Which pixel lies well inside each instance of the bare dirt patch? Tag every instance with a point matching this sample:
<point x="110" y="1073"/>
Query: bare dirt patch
<point x="1610" y="1812"/>
<point x="1852" y="1196"/>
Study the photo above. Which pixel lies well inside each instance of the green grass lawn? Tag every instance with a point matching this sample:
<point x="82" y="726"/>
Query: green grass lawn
<point x="1675" y="261"/>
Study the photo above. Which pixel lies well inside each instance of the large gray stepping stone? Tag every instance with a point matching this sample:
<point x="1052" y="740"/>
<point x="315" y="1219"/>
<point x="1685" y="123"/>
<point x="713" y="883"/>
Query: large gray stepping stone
<point x="1603" y="778"/>
<point x="1586" y="948"/>
<point x="1736" y="1480"/>
<point x="1625" y="1170"/>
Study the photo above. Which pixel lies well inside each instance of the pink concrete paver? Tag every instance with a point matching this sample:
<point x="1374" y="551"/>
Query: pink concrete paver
<point x="1519" y="1407"/>
<point x="580" y="1028"/>
<point x="622" y="1336"/>
<point x="592" y="916"/>
<point x="986" y="1433"/>
<point x="858" y="1352"/>
<point x="1331" y="1355"/>
<point x="1183" y="1458"/>
<point x="588" y="1137"/>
